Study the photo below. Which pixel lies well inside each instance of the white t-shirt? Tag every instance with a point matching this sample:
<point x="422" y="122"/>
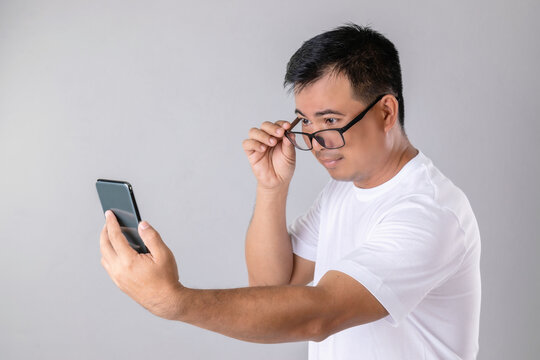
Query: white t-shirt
<point x="414" y="243"/>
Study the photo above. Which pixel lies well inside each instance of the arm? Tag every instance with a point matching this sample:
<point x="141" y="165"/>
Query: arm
<point x="276" y="314"/>
<point x="268" y="245"/>
<point x="269" y="256"/>
<point x="259" y="314"/>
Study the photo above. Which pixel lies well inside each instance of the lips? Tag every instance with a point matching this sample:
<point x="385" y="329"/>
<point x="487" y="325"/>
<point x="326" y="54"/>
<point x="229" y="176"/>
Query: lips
<point x="328" y="162"/>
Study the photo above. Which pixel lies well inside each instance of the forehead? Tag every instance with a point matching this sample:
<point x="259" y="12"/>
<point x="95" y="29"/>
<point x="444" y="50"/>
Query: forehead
<point x="330" y="91"/>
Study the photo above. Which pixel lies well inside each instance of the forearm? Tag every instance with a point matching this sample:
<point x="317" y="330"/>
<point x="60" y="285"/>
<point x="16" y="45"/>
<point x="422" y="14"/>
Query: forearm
<point x="269" y="255"/>
<point x="258" y="314"/>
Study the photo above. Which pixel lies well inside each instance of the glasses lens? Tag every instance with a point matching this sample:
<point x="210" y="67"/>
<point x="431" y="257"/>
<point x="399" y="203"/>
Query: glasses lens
<point x="330" y="139"/>
<point x="300" y="141"/>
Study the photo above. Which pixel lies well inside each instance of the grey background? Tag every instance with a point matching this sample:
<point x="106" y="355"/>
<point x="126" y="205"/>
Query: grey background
<point x="162" y="94"/>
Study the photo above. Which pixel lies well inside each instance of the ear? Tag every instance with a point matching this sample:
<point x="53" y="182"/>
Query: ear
<point x="390" y="107"/>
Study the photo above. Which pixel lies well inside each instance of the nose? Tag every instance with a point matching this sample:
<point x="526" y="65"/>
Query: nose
<point x="316" y="145"/>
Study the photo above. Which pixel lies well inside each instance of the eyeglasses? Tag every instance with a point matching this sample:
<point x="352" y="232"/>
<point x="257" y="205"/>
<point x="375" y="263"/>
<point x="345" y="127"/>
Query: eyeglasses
<point x="327" y="138"/>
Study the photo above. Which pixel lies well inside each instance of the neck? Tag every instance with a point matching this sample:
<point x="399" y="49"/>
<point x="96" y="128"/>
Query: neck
<point x="401" y="153"/>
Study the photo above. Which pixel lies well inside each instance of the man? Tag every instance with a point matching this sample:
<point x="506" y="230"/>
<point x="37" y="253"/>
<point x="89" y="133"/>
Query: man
<point x="391" y="245"/>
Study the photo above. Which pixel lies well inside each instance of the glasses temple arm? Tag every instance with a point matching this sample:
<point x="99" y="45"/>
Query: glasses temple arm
<point x="362" y="114"/>
<point x="293" y="124"/>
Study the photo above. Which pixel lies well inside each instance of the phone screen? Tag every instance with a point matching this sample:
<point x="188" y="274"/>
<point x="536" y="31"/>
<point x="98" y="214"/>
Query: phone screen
<point x="118" y="197"/>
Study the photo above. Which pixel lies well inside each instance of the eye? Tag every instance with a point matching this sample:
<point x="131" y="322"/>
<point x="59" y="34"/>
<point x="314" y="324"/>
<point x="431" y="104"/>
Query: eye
<point x="331" y="121"/>
<point x="305" y="122"/>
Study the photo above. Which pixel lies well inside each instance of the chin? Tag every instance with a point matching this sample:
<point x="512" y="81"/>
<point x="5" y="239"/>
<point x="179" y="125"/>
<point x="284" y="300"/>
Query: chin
<point x="339" y="176"/>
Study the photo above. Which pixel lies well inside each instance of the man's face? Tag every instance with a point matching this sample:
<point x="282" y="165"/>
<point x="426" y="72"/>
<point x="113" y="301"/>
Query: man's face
<point x="330" y="103"/>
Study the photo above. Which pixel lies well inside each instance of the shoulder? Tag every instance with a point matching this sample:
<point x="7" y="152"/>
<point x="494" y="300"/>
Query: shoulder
<point x="444" y="195"/>
<point x="426" y="198"/>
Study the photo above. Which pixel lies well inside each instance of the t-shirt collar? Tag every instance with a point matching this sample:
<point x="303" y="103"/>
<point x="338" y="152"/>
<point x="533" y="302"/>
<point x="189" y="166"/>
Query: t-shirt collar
<point x="372" y="193"/>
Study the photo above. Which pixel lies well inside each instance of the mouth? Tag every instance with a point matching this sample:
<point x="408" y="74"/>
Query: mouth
<point x="330" y="163"/>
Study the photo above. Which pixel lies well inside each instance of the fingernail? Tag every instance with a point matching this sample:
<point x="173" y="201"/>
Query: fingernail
<point x="108" y="213"/>
<point x="144" y="225"/>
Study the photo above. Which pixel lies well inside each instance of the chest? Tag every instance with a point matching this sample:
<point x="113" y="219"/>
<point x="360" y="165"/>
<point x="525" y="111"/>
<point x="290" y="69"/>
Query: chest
<point x="345" y="224"/>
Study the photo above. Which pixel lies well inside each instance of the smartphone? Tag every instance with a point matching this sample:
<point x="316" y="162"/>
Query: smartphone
<point x="118" y="197"/>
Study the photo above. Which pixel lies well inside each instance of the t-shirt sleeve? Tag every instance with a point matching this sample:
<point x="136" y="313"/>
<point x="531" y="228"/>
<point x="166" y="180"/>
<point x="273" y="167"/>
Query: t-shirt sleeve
<point x="304" y="231"/>
<point x="413" y="248"/>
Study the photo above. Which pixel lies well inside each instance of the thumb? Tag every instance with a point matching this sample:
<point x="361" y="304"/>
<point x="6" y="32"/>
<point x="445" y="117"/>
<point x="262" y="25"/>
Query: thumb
<point x="288" y="148"/>
<point x="152" y="239"/>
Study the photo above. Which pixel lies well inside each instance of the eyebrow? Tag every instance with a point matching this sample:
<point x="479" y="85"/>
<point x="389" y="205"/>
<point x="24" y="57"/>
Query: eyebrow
<point x="321" y="113"/>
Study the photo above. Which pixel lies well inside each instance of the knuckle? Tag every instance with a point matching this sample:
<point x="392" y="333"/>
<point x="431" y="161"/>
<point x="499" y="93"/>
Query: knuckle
<point x="255" y="133"/>
<point x="127" y="262"/>
<point x="258" y="134"/>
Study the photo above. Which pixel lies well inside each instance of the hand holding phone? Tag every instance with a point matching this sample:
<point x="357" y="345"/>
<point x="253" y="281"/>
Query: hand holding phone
<point x="118" y="197"/>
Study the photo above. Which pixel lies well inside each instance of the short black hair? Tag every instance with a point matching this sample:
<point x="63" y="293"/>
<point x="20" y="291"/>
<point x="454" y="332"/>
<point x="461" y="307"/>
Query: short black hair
<point x="368" y="59"/>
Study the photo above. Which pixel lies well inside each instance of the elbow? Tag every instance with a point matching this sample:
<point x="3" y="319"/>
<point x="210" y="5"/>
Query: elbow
<point x="318" y="330"/>
<point x="319" y="337"/>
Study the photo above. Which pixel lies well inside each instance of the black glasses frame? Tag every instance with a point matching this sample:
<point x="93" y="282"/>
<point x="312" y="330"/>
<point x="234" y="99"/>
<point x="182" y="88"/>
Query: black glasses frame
<point x="339" y="130"/>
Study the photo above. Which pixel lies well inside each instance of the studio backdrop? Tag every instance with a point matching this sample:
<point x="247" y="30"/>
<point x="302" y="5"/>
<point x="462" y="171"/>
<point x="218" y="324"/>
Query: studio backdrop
<point x="162" y="94"/>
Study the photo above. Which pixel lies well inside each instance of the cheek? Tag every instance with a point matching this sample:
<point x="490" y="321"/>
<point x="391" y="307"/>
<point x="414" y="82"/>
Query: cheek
<point x="364" y="147"/>
<point x="357" y="140"/>
<point x="368" y="137"/>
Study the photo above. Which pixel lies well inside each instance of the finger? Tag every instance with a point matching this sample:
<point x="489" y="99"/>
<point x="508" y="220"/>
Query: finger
<point x="273" y="129"/>
<point x="262" y="136"/>
<point x="105" y="265"/>
<point x="117" y="239"/>
<point x="254" y="156"/>
<point x="288" y="148"/>
<point x="105" y="246"/>
<point x="153" y="240"/>
<point x="250" y="145"/>
<point x="284" y="124"/>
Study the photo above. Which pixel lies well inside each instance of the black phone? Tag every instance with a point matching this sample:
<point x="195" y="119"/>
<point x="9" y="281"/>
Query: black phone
<point x="118" y="197"/>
